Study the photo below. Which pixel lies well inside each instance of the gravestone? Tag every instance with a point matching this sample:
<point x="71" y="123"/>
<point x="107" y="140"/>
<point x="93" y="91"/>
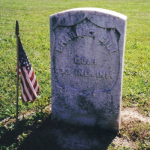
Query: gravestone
<point x="87" y="52"/>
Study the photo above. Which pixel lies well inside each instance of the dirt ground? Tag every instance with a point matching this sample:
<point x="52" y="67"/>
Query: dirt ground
<point x="51" y="135"/>
<point x="129" y="115"/>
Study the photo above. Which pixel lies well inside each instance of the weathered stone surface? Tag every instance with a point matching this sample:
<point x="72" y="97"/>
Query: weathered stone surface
<point x="87" y="48"/>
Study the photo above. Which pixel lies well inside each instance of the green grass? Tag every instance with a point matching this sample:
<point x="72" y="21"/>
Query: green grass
<point x="33" y="17"/>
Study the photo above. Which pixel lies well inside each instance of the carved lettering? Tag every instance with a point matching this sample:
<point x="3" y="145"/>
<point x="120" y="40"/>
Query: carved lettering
<point x="77" y="60"/>
<point x="102" y="39"/>
<point x="62" y="42"/>
<point x="79" y="72"/>
<point x="106" y="42"/>
<point x="72" y="34"/>
<point x="108" y="46"/>
<point x="60" y="45"/>
<point x="59" y="48"/>
<point x="84" y="61"/>
<point x="67" y="38"/>
<point x="61" y="70"/>
<point x="66" y="71"/>
<point x="83" y="73"/>
<point x="93" y="62"/>
<point x="112" y="50"/>
<point x="104" y="74"/>
<point x="85" y="32"/>
<point x="88" y="61"/>
<point x="86" y="73"/>
<point x="78" y="32"/>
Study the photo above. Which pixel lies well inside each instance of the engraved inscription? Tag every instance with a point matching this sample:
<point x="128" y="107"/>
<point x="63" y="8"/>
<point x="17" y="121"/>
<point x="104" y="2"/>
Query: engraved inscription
<point x="104" y="74"/>
<point x="86" y="73"/>
<point x="84" y="61"/>
<point x="69" y="36"/>
<point x="85" y="32"/>
<point x="72" y="35"/>
<point x="86" y="57"/>
<point x="83" y="73"/>
<point x="59" y="48"/>
<point x="107" y="43"/>
<point x="66" y="71"/>
<point x="60" y="45"/>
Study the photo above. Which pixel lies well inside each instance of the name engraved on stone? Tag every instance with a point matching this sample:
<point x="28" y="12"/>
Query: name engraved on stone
<point x="60" y="45"/>
<point x="107" y="43"/>
<point x="85" y="32"/>
<point x="84" y="61"/>
<point x="72" y="34"/>
<point x="69" y="36"/>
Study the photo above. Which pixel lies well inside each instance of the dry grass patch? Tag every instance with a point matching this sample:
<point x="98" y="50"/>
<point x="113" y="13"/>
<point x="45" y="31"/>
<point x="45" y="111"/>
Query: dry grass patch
<point x="135" y="128"/>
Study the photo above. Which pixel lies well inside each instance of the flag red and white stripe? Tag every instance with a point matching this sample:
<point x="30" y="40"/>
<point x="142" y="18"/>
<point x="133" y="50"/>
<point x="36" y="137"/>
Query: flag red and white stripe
<point x="29" y="84"/>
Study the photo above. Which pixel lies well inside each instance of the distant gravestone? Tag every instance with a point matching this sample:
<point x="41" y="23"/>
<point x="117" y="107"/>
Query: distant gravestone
<point x="87" y="52"/>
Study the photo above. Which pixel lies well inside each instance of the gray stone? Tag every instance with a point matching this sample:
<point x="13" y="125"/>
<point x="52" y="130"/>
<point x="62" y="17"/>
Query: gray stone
<point x="87" y="52"/>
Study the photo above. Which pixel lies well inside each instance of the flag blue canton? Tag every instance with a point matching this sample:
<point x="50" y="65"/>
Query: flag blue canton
<point x="23" y="59"/>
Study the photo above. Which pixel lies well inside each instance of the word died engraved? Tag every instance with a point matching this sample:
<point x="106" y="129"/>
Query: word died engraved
<point x="107" y="43"/>
<point x="84" y="61"/>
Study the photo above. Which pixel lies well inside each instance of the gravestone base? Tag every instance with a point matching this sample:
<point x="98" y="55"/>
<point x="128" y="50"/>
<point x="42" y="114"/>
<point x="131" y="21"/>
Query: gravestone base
<point x="83" y="120"/>
<point x="103" y="121"/>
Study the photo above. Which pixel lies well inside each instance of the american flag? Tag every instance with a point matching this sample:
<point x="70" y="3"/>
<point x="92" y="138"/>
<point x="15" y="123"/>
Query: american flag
<point x="29" y="84"/>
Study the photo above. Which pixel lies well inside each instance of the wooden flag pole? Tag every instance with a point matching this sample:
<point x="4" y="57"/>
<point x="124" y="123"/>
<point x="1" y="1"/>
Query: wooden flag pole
<point x="17" y="38"/>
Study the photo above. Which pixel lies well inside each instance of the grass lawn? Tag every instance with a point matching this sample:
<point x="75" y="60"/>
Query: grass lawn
<point x="33" y="17"/>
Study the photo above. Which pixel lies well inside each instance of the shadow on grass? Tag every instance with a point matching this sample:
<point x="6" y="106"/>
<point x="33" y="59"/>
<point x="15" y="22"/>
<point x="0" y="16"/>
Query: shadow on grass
<point x="52" y="135"/>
